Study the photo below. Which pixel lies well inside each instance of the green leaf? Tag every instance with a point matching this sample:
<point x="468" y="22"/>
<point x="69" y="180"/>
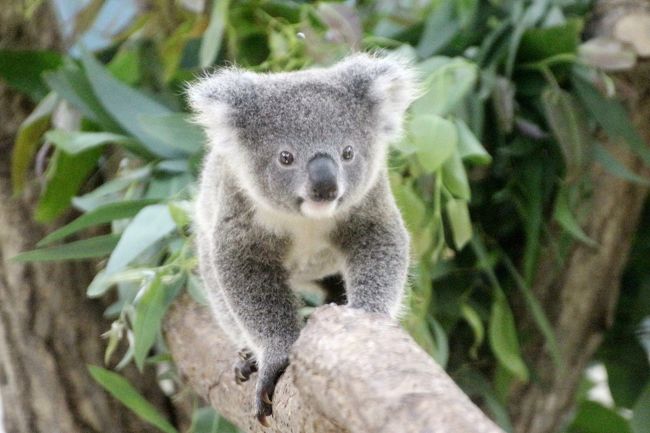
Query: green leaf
<point x="474" y="321"/>
<point x="28" y="139"/>
<point x="125" y="65"/>
<point x="611" y="116"/>
<point x="149" y="313"/>
<point x="98" y="246"/>
<point x="503" y="338"/>
<point x="150" y="225"/>
<point x="446" y="87"/>
<point x="613" y="166"/>
<point x="569" y="125"/>
<point x="211" y="41"/>
<point x="435" y="139"/>
<point x="537" y="312"/>
<point x="101" y="283"/>
<point x="641" y="413"/>
<point x="74" y="142"/>
<point x="121" y="389"/>
<point x="469" y="147"/>
<point x="541" y="43"/>
<point x="101" y="215"/>
<point x="440" y="28"/>
<point x="459" y="220"/>
<point x="593" y="417"/>
<point x="441" y="352"/>
<point x="22" y="70"/>
<point x="126" y="104"/>
<point x="195" y="289"/>
<point x="65" y="175"/>
<point x="564" y="215"/>
<point x="531" y="16"/>
<point x="111" y="191"/>
<point x="175" y="130"/>
<point x="454" y="177"/>
<point x="70" y="83"/>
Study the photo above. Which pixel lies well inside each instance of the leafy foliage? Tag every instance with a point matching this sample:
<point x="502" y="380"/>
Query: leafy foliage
<point x="494" y="154"/>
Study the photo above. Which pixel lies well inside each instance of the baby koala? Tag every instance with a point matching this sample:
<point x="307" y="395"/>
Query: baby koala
<point x="294" y="190"/>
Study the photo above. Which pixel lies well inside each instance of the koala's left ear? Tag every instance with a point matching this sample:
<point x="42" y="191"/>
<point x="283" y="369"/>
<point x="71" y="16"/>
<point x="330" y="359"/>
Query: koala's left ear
<point x="390" y="83"/>
<point x="216" y="100"/>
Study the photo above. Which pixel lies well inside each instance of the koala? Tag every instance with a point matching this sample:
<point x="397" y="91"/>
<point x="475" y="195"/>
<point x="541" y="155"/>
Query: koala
<point x="294" y="190"/>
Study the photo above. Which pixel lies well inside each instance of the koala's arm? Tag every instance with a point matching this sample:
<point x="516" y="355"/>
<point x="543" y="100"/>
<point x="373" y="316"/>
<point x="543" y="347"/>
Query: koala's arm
<point x="254" y="285"/>
<point x="377" y="260"/>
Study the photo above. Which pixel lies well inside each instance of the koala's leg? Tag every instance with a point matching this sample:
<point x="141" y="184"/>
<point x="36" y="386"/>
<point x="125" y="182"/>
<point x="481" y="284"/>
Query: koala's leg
<point x="376" y="264"/>
<point x="214" y="294"/>
<point x="255" y="287"/>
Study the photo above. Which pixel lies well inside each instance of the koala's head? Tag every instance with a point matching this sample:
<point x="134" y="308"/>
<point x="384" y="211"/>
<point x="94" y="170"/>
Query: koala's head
<point x="310" y="142"/>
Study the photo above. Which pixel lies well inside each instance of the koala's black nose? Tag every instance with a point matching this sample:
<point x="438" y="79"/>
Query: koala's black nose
<point x="322" y="178"/>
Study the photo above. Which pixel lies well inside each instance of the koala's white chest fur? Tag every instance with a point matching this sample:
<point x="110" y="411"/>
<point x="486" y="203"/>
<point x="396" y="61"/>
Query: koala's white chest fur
<point x="311" y="255"/>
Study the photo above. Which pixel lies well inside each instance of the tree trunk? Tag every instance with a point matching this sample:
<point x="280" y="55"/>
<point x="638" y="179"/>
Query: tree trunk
<point x="349" y="372"/>
<point x="49" y="330"/>
<point x="580" y="296"/>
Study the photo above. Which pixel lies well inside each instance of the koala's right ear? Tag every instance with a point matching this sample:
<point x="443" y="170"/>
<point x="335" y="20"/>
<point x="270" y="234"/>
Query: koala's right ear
<point x="216" y="100"/>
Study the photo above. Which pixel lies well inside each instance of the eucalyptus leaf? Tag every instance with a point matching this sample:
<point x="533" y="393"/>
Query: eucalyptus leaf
<point x="211" y="41"/>
<point x="564" y="215"/>
<point x="175" y="130"/>
<point x="476" y="324"/>
<point x="435" y="139"/>
<point x="454" y="177"/>
<point x="445" y="87"/>
<point x="64" y="177"/>
<point x="121" y="389"/>
<point x="611" y="116"/>
<point x="98" y="246"/>
<point x="459" y="220"/>
<point x="613" y="166"/>
<point x="592" y="417"/>
<point x="101" y="215"/>
<point x="150" y="225"/>
<point x="503" y="338"/>
<point x="569" y="125"/>
<point x="28" y="139"/>
<point x="126" y="105"/>
<point x="469" y="147"/>
<point x="74" y="142"/>
<point x="149" y="311"/>
<point x="23" y="70"/>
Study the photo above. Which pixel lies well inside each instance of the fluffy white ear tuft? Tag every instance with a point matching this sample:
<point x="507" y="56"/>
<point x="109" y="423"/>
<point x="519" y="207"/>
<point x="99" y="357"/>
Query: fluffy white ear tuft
<point x="215" y="99"/>
<point x="390" y="81"/>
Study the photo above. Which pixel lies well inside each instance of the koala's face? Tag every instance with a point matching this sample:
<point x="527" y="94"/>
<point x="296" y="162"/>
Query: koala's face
<point x="311" y="142"/>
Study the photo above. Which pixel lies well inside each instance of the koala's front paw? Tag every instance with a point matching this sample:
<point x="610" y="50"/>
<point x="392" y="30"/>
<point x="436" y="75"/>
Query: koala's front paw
<point x="245" y="366"/>
<point x="269" y="374"/>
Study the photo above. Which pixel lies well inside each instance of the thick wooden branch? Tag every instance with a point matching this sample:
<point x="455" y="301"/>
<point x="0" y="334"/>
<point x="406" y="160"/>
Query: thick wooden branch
<point x="350" y="372"/>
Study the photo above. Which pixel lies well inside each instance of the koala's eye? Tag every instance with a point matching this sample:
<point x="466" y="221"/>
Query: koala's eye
<point x="286" y="158"/>
<point x="347" y="153"/>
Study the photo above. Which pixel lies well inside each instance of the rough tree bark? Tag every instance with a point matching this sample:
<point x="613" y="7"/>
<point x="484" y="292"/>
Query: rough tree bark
<point x="49" y="331"/>
<point x="580" y="296"/>
<point x="350" y="372"/>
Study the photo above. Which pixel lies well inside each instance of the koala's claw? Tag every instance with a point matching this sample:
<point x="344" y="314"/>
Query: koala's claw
<point x="266" y="382"/>
<point x="263" y="420"/>
<point x="264" y="407"/>
<point x="244" y="368"/>
<point x="245" y="354"/>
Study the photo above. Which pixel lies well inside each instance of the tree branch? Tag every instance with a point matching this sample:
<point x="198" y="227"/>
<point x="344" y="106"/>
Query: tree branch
<point x="350" y="372"/>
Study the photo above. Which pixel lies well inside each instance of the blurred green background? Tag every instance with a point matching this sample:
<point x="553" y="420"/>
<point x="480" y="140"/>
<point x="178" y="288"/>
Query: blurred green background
<point x="497" y="177"/>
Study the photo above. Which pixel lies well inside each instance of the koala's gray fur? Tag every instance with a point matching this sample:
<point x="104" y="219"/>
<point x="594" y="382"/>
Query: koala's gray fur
<point x="260" y="232"/>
